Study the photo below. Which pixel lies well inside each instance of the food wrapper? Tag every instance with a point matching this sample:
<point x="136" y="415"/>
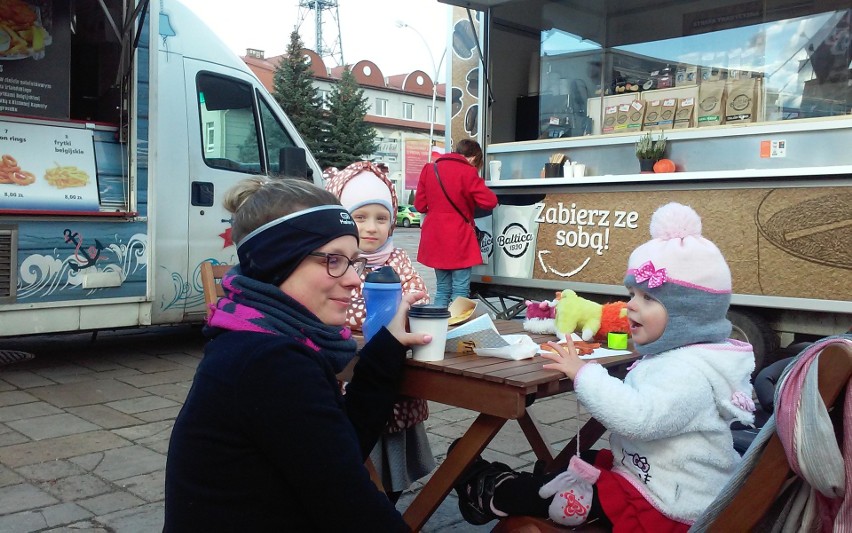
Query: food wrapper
<point x="517" y="347"/>
<point x="463" y="309"/>
<point x="477" y="333"/>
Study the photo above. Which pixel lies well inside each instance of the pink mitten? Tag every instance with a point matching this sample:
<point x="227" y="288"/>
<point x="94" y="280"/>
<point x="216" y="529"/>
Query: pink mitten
<point x="572" y="493"/>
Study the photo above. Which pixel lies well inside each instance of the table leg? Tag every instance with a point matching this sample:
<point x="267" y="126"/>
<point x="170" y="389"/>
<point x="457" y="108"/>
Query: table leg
<point x="531" y="429"/>
<point x="475" y="439"/>
<point x="590" y="433"/>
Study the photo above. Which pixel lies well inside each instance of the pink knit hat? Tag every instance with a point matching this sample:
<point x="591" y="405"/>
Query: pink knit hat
<point x="687" y="274"/>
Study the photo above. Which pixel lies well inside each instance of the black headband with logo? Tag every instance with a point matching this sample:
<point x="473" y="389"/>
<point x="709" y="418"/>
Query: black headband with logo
<point x="273" y="251"/>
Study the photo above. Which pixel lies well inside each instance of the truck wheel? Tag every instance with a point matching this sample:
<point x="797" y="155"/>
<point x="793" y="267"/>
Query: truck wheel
<point x="753" y="329"/>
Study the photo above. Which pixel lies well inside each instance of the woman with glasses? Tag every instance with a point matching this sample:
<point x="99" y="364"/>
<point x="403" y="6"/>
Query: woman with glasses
<point x="265" y="441"/>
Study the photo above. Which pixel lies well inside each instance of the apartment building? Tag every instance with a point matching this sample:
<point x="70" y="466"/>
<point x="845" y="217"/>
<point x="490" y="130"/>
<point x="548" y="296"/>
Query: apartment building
<point x="401" y="110"/>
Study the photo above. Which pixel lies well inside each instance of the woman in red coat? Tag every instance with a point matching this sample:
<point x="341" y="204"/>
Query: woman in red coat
<point x="447" y="240"/>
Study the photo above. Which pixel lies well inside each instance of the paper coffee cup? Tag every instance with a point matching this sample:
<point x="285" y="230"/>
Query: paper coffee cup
<point x="494" y="170"/>
<point x="579" y="170"/>
<point x="432" y="320"/>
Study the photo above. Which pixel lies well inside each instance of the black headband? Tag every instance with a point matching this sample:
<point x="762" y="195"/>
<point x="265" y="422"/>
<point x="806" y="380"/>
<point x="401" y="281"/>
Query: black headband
<point x="271" y="252"/>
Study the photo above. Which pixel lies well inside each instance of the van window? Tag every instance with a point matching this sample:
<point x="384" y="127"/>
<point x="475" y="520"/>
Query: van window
<point x="275" y="137"/>
<point x="229" y="131"/>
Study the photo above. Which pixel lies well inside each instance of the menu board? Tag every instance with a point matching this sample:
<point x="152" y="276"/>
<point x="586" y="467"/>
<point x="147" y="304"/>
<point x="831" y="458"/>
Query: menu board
<point x="35" y="58"/>
<point x="47" y="168"/>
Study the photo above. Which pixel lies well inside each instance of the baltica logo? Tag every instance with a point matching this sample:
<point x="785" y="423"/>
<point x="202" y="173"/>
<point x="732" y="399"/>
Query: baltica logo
<point x="486" y="244"/>
<point x="515" y="240"/>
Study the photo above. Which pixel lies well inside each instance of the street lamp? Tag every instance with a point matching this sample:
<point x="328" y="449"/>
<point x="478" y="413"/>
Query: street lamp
<point x="436" y="67"/>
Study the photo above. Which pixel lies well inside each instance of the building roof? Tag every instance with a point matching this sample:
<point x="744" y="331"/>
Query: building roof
<point x="366" y="73"/>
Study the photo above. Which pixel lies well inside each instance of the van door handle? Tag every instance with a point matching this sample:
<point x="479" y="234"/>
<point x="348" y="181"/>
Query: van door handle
<point x="201" y="193"/>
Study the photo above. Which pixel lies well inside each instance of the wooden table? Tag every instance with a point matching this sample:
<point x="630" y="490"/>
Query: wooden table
<point x="499" y="390"/>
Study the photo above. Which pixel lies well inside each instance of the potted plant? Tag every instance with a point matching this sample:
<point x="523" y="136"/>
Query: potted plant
<point x="650" y="150"/>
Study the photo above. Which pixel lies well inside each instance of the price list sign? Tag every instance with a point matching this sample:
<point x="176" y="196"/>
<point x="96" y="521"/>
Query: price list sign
<point x="47" y="168"/>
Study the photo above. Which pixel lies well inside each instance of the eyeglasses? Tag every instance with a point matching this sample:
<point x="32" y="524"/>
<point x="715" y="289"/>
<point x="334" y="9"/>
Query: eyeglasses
<point x="337" y="264"/>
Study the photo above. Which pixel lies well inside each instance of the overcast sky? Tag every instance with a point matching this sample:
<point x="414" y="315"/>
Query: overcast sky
<point x="368" y="29"/>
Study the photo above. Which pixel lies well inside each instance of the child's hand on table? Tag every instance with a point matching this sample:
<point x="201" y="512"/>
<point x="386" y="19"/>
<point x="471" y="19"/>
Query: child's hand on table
<point x="565" y="359"/>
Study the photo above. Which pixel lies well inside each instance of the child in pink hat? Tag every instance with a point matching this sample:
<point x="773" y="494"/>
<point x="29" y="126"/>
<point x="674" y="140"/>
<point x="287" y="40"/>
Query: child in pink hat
<point x="403" y="454"/>
<point x="671" y="449"/>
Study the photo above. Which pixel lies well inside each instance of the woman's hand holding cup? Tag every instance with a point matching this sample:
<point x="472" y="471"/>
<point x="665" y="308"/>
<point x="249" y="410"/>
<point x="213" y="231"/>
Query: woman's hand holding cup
<point x="397" y="326"/>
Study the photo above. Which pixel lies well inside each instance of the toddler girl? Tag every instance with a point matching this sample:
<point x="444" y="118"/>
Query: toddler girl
<point x="671" y="444"/>
<point x="402" y="454"/>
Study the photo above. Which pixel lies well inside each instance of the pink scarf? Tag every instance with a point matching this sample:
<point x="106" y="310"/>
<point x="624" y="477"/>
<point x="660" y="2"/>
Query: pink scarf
<point x="381" y="255"/>
<point x="808" y="438"/>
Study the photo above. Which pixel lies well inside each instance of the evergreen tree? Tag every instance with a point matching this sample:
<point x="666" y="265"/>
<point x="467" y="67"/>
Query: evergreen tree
<point x="295" y="93"/>
<point x="347" y="138"/>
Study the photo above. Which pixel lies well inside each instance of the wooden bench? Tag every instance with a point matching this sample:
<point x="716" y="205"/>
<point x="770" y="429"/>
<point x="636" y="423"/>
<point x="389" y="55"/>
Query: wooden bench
<point x="211" y="283"/>
<point x="762" y="486"/>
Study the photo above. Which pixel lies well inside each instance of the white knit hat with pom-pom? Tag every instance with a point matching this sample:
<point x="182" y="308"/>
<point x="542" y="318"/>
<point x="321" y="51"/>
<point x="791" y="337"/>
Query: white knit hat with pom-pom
<point x="687" y="274"/>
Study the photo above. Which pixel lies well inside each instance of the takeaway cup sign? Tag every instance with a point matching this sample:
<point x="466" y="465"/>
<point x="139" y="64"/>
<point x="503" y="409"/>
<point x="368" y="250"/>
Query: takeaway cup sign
<point x="515" y="232"/>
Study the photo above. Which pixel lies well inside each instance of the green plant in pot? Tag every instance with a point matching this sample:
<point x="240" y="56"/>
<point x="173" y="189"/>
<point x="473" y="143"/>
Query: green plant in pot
<point x="650" y="150"/>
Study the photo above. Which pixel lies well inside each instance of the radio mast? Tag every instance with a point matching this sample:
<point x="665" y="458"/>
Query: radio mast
<point x="315" y="9"/>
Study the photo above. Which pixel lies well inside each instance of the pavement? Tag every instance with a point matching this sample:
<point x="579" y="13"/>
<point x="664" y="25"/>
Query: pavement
<point x="85" y="426"/>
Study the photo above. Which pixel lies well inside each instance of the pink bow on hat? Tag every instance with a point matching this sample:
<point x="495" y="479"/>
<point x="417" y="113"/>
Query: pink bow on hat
<point x="655" y="277"/>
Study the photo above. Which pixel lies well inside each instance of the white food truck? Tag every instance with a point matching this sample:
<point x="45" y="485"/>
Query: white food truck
<point x="122" y="125"/>
<point x="754" y="100"/>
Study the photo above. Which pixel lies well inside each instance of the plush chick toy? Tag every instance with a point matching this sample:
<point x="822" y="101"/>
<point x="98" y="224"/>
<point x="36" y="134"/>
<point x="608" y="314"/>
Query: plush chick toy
<point x="590" y="319"/>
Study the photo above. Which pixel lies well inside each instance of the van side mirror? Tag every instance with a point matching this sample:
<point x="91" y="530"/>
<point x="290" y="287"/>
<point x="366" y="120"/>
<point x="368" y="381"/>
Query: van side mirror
<point x="292" y="162"/>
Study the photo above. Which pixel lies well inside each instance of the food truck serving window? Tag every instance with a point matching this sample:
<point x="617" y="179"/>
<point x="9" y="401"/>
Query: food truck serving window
<point x="689" y="64"/>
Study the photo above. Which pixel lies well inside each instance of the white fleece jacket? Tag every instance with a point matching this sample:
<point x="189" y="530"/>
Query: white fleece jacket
<point x="670" y="421"/>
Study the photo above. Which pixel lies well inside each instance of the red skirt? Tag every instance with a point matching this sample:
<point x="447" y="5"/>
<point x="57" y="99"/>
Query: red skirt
<point x="625" y="506"/>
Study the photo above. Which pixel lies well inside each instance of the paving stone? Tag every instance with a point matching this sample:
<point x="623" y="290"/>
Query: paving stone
<point x="189" y="360"/>
<point x="5" y="385"/>
<point x="25" y="379"/>
<point x="149" y="487"/>
<point x="152" y="364"/>
<point x="454" y="414"/>
<point x="15" y="397"/>
<point x="50" y="470"/>
<point x="23" y="522"/>
<point x="103" y="416"/>
<point x="68" y="373"/>
<point x="146" y="431"/>
<point x="61" y="514"/>
<point x="46" y="427"/>
<point x="118" y="373"/>
<point x="27" y="410"/>
<point x="122" y="463"/>
<point x="139" y="405"/>
<point x="24" y="496"/>
<point x="9" y="477"/>
<point x="173" y="391"/>
<point x="144" y="519"/>
<point x="59" y="448"/>
<point x="160" y="378"/>
<point x="89" y="526"/>
<point x="169" y="413"/>
<point x="99" y="364"/>
<point x="8" y="436"/>
<point x="111" y="502"/>
<point x="87" y="393"/>
<point x="73" y="488"/>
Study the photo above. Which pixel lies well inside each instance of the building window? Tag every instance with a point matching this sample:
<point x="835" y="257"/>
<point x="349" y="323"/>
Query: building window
<point x="323" y="95"/>
<point x="381" y="107"/>
<point x="430" y="114"/>
<point x="407" y="110"/>
<point x="210" y="136"/>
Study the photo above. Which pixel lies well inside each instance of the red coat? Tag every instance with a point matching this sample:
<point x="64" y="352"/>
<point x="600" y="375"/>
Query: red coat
<point x="446" y="242"/>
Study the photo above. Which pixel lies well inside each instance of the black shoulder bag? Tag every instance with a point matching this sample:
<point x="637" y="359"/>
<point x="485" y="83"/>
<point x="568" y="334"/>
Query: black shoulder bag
<point x="479" y="233"/>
